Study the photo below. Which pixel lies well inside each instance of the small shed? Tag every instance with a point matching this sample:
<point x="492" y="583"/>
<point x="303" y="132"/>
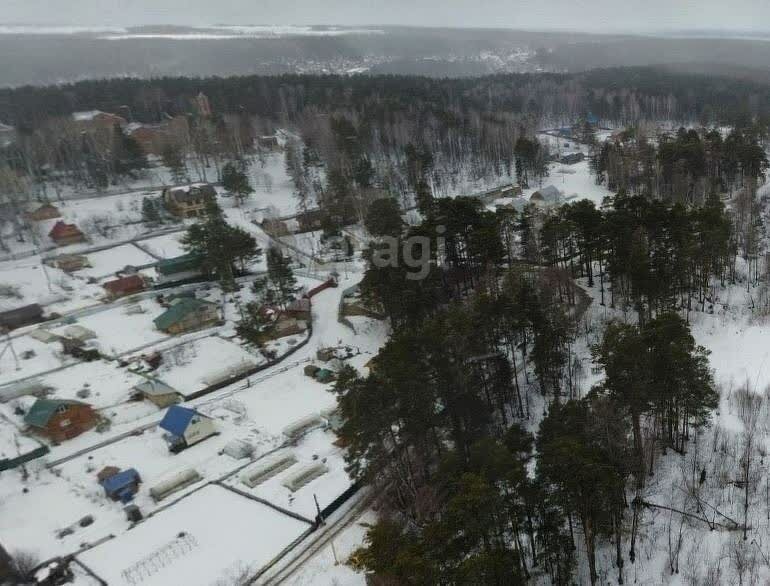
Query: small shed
<point x="186" y="315"/>
<point x="106" y="473"/>
<point x="21" y="316"/>
<point x="69" y="263"/>
<point x="43" y="335"/>
<point x="124" y="286"/>
<point x="122" y="486"/>
<point x="60" y="419"/>
<point x="185" y="427"/>
<point x="158" y="392"/>
<point x="79" y="333"/>
<point x="311" y="370"/>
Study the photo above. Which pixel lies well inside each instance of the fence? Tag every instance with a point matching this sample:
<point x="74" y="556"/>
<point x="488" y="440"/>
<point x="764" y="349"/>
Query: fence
<point x="11" y="463"/>
<point x="332" y="507"/>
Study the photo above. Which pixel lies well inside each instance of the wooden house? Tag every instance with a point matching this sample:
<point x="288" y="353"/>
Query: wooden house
<point x="299" y="308"/>
<point x="63" y="234"/>
<point x="185" y="427"/>
<point x="47" y="211"/>
<point x="69" y="263"/>
<point x="187" y="315"/>
<point x="189" y="201"/>
<point x="179" y="268"/>
<point x="124" y="286"/>
<point x="158" y="392"/>
<point x="60" y="420"/>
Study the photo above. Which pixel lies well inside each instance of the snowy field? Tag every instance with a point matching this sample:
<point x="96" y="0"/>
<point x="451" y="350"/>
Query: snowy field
<point x="222" y="528"/>
<point x="105" y="263"/>
<point x="166" y="246"/>
<point x="105" y="382"/>
<point x="46" y="357"/>
<point x="119" y="332"/>
<point x="193" y="366"/>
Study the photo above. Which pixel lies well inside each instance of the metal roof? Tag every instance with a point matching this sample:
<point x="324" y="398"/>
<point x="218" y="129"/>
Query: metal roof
<point x="178" y="311"/>
<point x="43" y="409"/>
<point x="121" y="480"/>
<point x="179" y="264"/>
<point x="177" y="418"/>
<point x="155" y="387"/>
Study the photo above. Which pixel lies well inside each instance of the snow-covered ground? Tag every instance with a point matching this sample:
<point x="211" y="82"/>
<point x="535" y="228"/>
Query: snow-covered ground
<point x="193" y="366"/>
<point x="205" y="537"/>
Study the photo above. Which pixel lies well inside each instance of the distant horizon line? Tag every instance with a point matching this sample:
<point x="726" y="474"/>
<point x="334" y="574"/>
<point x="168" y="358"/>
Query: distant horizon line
<point x="75" y="29"/>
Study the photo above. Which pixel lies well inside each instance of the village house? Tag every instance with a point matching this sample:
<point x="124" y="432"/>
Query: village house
<point x="185" y="427"/>
<point x="187" y="315"/>
<point x="124" y="286"/>
<point x="276" y="228"/>
<point x="60" y="420"/>
<point x="69" y="263"/>
<point x="546" y="197"/>
<point x="571" y="158"/>
<point x="179" y="268"/>
<point x="155" y="138"/>
<point x="189" y="201"/>
<point x="122" y="486"/>
<point x="47" y="211"/>
<point x="299" y="308"/>
<point x="64" y="234"/>
<point x="21" y="316"/>
<point x="158" y="392"/>
<point x="288" y="326"/>
<point x="95" y="120"/>
<point x="310" y="220"/>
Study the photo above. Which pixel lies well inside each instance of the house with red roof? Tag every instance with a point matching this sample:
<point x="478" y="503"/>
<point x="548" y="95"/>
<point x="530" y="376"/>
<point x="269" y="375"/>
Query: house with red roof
<point x="124" y="286"/>
<point x="63" y="234"/>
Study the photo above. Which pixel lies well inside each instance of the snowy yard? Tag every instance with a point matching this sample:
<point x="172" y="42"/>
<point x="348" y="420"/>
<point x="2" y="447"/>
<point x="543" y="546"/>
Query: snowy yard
<point x="166" y="246"/>
<point x="119" y="332"/>
<point x="225" y="536"/>
<point x="106" y="263"/>
<point x="193" y="366"/>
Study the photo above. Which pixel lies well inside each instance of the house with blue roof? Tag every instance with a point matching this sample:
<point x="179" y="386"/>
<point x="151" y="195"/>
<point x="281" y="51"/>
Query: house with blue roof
<point x="122" y="486"/>
<point x="185" y="427"/>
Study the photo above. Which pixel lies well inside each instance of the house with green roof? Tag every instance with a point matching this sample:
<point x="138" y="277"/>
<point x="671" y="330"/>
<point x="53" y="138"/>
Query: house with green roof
<point x="186" y="315"/>
<point x="179" y="268"/>
<point x="59" y="419"/>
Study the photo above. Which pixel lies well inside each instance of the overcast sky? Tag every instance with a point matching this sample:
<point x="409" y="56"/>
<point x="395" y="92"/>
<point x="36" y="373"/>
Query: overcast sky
<point x="593" y="15"/>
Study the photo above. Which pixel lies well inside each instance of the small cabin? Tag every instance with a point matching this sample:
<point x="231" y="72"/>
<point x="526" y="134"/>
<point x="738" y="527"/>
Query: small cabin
<point x="60" y="420"/>
<point x="158" y="392"/>
<point x="122" y="486"/>
<point x="69" y="263"/>
<point x="124" y="286"/>
<point x="187" y="315"/>
<point x="64" y="234"/>
<point x="185" y="427"/>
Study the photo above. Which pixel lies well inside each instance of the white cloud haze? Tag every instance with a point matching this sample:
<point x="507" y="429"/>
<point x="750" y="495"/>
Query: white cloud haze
<point x="589" y="15"/>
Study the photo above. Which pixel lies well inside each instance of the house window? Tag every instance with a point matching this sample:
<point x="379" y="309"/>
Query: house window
<point x="61" y="409"/>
